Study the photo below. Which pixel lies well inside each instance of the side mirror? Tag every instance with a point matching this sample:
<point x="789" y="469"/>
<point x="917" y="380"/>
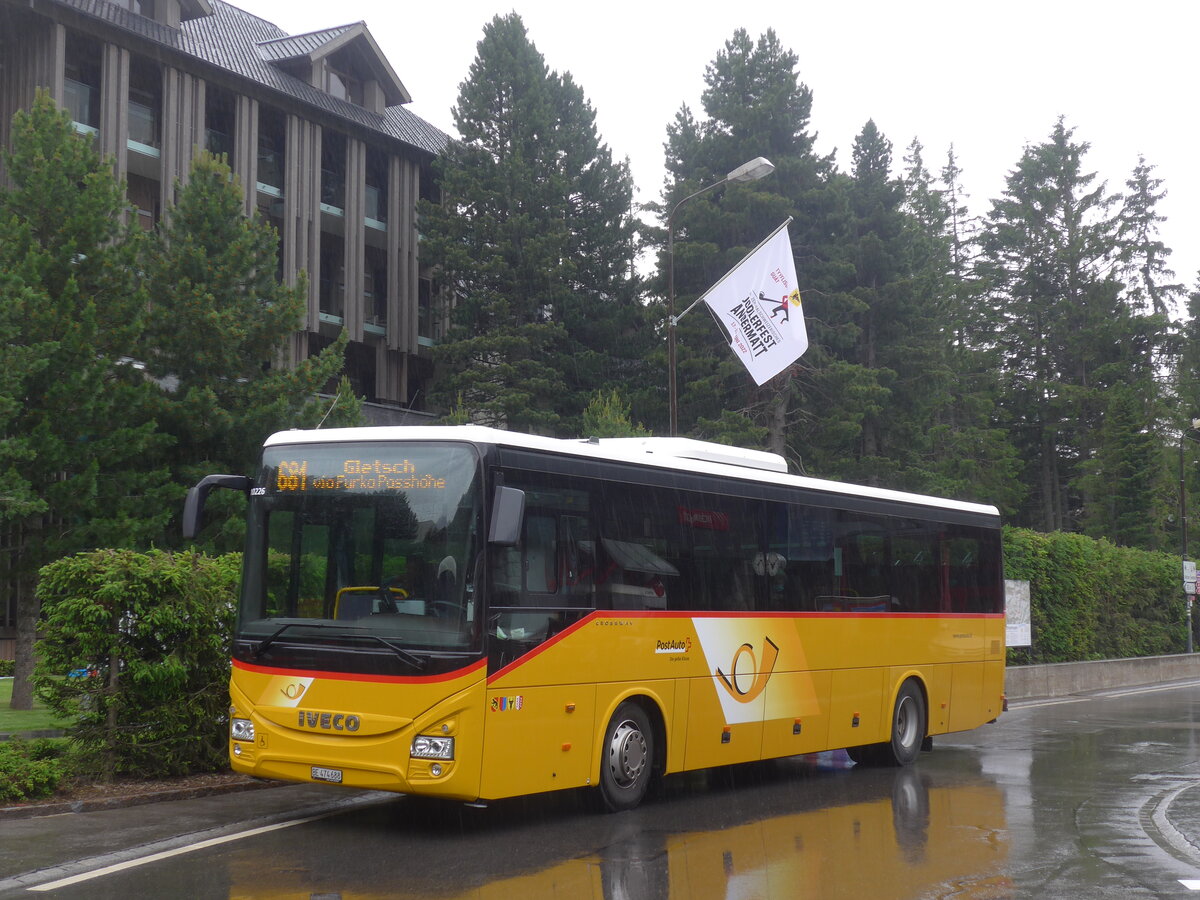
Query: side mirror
<point x="508" y="512"/>
<point x="193" y="507"/>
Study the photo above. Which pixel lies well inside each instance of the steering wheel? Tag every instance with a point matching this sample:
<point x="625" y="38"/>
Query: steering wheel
<point x="386" y="589"/>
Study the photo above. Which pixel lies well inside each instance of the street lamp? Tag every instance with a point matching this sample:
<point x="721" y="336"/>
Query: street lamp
<point x="757" y="168"/>
<point x="1183" y="523"/>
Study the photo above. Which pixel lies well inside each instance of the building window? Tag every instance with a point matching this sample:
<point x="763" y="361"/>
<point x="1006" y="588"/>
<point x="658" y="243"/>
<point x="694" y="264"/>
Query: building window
<point x="219" y="122"/>
<point x="333" y="171"/>
<point x="344" y="86"/>
<point x="375" y="290"/>
<point x="332" y="287"/>
<point x="143" y="194"/>
<point x="145" y="103"/>
<point x="271" y="144"/>
<point x="81" y="84"/>
<point x="375" y="212"/>
<point x="143" y="8"/>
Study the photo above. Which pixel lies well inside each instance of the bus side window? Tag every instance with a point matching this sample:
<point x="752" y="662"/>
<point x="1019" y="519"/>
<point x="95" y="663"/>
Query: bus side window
<point x="799" y="564"/>
<point x="541" y="555"/>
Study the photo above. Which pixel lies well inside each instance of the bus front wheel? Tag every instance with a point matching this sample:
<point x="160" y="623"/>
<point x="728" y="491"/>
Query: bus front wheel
<point x="628" y="761"/>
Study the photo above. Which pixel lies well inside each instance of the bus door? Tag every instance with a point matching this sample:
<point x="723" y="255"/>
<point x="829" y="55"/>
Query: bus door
<point x="541" y="694"/>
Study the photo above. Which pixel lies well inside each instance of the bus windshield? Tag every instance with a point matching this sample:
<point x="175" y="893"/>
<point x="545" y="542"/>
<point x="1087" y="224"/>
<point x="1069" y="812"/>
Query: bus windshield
<point x="358" y="552"/>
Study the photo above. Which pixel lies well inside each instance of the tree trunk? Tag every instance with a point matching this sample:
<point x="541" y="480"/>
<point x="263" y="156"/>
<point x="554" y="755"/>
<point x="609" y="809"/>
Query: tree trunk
<point x="28" y="610"/>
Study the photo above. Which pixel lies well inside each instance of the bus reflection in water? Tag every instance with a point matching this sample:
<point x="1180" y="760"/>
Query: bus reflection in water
<point x="916" y="839"/>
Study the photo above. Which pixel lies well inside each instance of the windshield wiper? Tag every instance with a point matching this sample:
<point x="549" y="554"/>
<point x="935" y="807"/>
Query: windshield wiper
<point x="262" y="646"/>
<point x="412" y="659"/>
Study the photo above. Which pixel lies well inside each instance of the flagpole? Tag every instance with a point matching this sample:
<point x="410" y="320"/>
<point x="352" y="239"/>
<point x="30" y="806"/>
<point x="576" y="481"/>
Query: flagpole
<point x="749" y="171"/>
<point x="724" y="277"/>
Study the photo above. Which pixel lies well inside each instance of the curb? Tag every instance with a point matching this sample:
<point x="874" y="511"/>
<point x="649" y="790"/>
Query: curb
<point x="60" y="807"/>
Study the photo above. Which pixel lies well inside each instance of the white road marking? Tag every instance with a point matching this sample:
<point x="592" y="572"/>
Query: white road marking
<point x="1191" y="884"/>
<point x="178" y="851"/>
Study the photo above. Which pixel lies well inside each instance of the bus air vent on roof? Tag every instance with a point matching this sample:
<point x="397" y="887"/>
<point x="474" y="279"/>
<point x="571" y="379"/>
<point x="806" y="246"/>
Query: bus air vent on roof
<point x="686" y="448"/>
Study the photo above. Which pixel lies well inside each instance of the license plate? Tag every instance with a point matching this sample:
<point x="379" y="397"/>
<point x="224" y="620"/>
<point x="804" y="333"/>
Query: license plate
<point x="331" y="775"/>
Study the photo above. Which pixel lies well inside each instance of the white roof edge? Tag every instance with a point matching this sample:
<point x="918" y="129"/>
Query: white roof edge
<point x="625" y="450"/>
<point x="687" y="448"/>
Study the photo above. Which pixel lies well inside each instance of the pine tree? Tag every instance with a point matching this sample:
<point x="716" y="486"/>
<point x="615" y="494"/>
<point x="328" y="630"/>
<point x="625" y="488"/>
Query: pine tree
<point x="1064" y="333"/>
<point x="1143" y="254"/>
<point x="608" y="416"/>
<point x="219" y="322"/>
<point x="534" y="238"/>
<point x="78" y="432"/>
<point x="961" y="451"/>
<point x="754" y="105"/>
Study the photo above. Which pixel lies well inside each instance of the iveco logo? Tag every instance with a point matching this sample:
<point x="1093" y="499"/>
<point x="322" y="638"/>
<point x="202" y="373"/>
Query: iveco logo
<point x="327" y="721"/>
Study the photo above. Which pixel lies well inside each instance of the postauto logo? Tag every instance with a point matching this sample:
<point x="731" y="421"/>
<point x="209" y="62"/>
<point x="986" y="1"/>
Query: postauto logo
<point x="747" y="675"/>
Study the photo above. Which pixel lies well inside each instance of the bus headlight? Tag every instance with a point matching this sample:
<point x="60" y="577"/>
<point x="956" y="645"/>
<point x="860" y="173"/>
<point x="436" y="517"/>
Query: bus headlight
<point x="241" y="729"/>
<point x="430" y="747"/>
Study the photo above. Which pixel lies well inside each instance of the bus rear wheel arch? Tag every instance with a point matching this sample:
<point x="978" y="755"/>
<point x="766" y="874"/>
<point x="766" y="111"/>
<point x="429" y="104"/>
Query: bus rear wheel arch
<point x="908" y="726"/>
<point x="631" y="756"/>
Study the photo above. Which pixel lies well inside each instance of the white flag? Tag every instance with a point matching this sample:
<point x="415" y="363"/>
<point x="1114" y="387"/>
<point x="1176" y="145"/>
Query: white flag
<point x="758" y="302"/>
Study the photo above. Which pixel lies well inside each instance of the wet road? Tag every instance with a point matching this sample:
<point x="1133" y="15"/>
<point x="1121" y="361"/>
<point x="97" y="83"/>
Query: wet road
<point x="1096" y="797"/>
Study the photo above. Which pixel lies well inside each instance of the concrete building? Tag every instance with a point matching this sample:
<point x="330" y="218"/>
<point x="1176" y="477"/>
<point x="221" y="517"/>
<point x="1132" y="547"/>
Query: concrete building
<point x="313" y="125"/>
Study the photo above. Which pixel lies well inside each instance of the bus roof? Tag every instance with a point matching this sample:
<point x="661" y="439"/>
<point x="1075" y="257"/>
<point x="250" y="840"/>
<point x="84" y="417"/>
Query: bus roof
<point x="679" y="454"/>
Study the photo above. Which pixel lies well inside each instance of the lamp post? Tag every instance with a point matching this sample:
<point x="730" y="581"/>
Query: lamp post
<point x="753" y="170"/>
<point x="1183" y="527"/>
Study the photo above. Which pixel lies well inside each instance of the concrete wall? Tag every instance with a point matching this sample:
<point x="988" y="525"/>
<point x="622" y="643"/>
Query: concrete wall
<point x="1061" y="679"/>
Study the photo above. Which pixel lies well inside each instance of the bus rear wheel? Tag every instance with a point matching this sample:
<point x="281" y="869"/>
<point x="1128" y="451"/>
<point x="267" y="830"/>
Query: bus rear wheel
<point x="908" y="732"/>
<point x="628" y="761"/>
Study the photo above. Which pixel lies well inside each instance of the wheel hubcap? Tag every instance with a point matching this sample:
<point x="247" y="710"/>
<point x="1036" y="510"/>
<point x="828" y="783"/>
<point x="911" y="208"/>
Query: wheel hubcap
<point x="906" y="722"/>
<point x="626" y="753"/>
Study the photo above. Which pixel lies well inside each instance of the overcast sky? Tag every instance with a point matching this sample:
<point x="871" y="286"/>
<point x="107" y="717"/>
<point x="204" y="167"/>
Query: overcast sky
<point x="988" y="78"/>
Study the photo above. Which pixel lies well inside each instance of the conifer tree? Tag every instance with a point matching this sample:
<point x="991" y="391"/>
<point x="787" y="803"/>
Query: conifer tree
<point x="534" y="238"/>
<point x="1065" y="333"/>
<point x="961" y="452"/>
<point x="754" y="105"/>
<point x="78" y="435"/>
<point x="219" y="323"/>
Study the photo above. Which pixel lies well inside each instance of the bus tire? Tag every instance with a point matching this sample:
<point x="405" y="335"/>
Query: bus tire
<point x="627" y="761"/>
<point x="908" y="726"/>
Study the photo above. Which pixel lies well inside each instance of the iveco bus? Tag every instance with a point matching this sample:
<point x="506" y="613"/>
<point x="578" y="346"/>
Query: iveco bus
<point x="475" y="614"/>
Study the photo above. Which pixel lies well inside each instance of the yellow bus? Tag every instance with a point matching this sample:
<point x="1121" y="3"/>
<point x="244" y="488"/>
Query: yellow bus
<point x="476" y="614"/>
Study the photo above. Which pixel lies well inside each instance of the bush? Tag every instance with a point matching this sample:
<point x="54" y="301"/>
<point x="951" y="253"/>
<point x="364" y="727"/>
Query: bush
<point x="1094" y="600"/>
<point x="143" y="639"/>
<point x="30" y="771"/>
<point x="7" y="666"/>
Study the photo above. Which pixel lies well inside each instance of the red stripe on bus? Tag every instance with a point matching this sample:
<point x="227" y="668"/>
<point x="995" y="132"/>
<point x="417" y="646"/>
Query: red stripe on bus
<point x="354" y="676"/>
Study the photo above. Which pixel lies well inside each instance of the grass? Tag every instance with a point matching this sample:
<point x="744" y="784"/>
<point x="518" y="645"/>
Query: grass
<point x="16" y="721"/>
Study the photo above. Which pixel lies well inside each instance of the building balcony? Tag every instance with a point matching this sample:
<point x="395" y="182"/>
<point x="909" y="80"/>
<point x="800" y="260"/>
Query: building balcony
<point x="219" y="143"/>
<point x="375" y="208"/>
<point x="270" y="172"/>
<point x="82" y="101"/>
<point x="143" y="129"/>
<point x="333" y="193"/>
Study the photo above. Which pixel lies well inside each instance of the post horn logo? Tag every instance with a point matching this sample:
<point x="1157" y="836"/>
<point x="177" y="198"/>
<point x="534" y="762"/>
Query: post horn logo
<point x="294" y="691"/>
<point x="745" y="660"/>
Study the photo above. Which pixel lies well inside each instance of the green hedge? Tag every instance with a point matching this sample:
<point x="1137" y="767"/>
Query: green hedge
<point x="30" y="771"/>
<point x="135" y="651"/>
<point x="1094" y="600"/>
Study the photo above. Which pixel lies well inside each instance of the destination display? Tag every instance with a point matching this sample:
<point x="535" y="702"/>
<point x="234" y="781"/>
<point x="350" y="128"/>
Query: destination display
<point x="300" y="476"/>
